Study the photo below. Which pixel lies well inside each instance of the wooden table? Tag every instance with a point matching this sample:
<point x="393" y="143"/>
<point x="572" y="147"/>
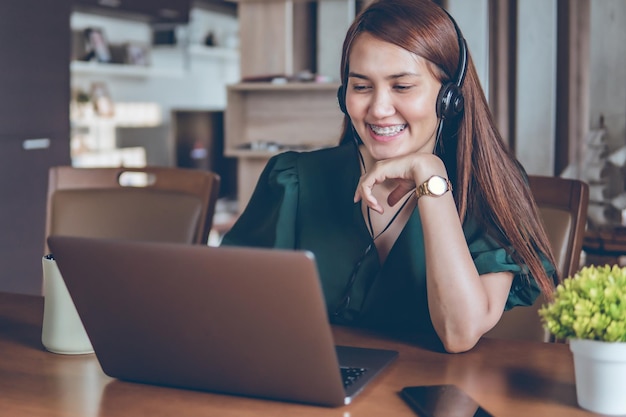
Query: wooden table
<point x="509" y="378"/>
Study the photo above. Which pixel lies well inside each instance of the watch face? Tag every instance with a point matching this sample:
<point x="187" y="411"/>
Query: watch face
<point x="437" y="185"/>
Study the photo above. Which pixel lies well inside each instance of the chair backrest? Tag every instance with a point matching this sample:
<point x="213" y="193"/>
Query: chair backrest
<point x="563" y="207"/>
<point x="151" y="203"/>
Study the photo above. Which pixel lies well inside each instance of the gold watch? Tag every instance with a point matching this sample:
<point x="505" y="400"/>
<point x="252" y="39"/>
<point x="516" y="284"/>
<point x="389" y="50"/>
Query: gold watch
<point x="435" y="186"/>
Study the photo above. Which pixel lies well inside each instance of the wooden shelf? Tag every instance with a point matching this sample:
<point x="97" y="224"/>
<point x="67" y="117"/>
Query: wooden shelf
<point x="245" y="153"/>
<point x="291" y="116"/>
<point x="266" y="154"/>
<point x="289" y="86"/>
<point x="300" y="115"/>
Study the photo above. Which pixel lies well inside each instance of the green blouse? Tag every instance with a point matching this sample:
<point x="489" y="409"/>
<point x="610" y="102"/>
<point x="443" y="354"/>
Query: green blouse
<point x="304" y="201"/>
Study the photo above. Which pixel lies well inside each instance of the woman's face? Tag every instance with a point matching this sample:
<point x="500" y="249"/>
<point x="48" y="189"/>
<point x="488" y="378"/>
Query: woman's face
<point x="390" y="97"/>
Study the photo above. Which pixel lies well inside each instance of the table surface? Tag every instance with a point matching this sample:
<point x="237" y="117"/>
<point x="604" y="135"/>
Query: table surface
<point x="508" y="378"/>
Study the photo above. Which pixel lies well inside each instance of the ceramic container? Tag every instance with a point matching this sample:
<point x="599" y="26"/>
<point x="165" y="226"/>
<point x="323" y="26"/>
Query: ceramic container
<point x="62" y="330"/>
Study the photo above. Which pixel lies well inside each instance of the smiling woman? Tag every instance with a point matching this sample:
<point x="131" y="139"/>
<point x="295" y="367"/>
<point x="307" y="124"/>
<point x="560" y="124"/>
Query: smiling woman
<point x="420" y="220"/>
<point x="391" y="94"/>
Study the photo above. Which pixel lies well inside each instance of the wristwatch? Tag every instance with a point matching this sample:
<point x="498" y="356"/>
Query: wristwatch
<point x="435" y="186"/>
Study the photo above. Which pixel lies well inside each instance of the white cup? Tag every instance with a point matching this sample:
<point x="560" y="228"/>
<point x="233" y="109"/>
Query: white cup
<point x="62" y="330"/>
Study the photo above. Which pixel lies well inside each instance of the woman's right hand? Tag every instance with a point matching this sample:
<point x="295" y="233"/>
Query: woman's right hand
<point x="403" y="173"/>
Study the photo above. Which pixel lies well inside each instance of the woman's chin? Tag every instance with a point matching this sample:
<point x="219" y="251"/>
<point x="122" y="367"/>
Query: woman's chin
<point x="385" y="153"/>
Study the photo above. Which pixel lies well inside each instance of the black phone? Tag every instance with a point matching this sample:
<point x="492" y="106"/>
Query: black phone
<point x="442" y="401"/>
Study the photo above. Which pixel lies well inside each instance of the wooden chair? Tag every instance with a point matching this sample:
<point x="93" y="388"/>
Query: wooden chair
<point x="152" y="203"/>
<point x="563" y="207"/>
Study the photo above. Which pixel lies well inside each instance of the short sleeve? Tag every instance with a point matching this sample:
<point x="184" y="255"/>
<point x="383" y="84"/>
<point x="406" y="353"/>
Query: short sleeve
<point x="489" y="256"/>
<point x="269" y="218"/>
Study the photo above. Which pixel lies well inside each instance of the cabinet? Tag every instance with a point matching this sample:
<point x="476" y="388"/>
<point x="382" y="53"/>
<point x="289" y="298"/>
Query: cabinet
<point x="605" y="246"/>
<point x="283" y="38"/>
<point x="199" y="141"/>
<point x="277" y="36"/>
<point x="263" y="119"/>
<point x="34" y="130"/>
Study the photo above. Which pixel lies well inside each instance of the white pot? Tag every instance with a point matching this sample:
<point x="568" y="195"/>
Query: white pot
<point x="600" y="369"/>
<point x="62" y="330"/>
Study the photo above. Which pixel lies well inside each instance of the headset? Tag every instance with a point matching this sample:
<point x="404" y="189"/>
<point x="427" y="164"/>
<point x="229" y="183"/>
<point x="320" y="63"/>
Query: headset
<point x="450" y="101"/>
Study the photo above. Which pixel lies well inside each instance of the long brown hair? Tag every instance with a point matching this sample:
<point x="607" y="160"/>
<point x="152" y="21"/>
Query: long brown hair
<point x="490" y="185"/>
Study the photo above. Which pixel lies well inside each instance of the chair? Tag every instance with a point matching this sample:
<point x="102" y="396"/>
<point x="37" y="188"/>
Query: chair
<point x="563" y="207"/>
<point x="152" y="203"/>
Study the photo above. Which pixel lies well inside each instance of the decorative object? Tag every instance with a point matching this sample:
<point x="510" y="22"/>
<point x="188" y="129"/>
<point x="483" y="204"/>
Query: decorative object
<point x="96" y="45"/>
<point x="604" y="169"/>
<point x="137" y="54"/>
<point x="589" y="310"/>
<point x="103" y="104"/>
<point x="62" y="330"/>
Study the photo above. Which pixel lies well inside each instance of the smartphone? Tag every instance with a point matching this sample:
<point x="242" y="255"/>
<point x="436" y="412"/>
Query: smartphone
<point x="442" y="401"/>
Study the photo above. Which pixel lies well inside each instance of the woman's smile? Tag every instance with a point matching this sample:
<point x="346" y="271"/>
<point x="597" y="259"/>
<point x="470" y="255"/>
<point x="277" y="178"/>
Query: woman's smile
<point x="386" y="133"/>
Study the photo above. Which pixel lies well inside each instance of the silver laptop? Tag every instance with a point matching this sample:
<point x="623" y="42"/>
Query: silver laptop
<point x="243" y="321"/>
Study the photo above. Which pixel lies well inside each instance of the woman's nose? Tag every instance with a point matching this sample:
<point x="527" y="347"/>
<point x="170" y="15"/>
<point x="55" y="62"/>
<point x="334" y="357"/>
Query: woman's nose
<point x="382" y="105"/>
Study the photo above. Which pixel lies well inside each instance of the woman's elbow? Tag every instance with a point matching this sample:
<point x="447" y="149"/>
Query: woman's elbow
<point x="460" y="341"/>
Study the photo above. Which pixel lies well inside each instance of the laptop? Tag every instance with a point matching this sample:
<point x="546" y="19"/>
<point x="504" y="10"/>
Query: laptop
<point x="243" y="321"/>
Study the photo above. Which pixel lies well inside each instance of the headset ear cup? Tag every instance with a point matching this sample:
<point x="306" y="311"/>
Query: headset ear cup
<point x="450" y="101"/>
<point x="341" y="99"/>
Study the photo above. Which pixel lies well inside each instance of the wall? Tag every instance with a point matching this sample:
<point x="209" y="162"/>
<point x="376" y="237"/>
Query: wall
<point x="607" y="68"/>
<point x="473" y="20"/>
<point x="536" y="85"/>
<point x="535" y="106"/>
<point x="333" y="20"/>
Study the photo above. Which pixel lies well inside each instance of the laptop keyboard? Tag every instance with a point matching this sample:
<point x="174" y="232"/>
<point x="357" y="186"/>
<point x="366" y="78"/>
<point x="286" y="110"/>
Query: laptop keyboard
<point x="350" y="375"/>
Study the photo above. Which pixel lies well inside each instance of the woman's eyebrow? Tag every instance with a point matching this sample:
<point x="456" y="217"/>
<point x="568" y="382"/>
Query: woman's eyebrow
<point x="356" y="75"/>
<point x="389" y="77"/>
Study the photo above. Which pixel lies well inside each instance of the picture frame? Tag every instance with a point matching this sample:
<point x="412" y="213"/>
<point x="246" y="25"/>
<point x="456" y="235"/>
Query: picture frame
<point x="96" y="45"/>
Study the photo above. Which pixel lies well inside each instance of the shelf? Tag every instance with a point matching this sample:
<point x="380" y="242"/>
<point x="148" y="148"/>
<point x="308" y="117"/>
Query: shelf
<point x="289" y="86"/>
<point x="246" y="153"/>
<point x="122" y="70"/>
<point x="293" y="115"/>
<point x="138" y="71"/>
<point x="266" y="154"/>
<point x="213" y="52"/>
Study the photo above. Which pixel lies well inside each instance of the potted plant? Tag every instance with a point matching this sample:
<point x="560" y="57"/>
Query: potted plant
<point x="589" y="311"/>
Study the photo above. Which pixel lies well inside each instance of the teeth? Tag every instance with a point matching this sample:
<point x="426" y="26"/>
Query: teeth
<point x="388" y="130"/>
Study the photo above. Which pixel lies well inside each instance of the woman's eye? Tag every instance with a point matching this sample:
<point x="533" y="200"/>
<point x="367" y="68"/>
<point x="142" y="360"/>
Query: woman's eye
<point x="360" y="87"/>
<point x="402" y="87"/>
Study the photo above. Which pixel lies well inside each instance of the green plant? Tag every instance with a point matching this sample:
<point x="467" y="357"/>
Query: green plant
<point x="589" y="305"/>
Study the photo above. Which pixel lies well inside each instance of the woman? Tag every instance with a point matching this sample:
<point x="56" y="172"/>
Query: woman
<point x="420" y="220"/>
